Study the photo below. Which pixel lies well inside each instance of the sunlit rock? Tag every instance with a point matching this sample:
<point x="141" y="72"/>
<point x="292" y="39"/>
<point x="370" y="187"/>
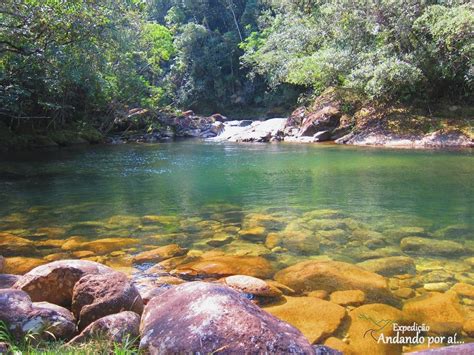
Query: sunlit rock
<point x="115" y="328"/>
<point x="54" y="282"/>
<point x="226" y="265"/>
<point x="21" y="265"/>
<point x="98" y="295"/>
<point x="335" y="276"/>
<point x="315" y="318"/>
<point x="11" y="245"/>
<point x="204" y="317"/>
<point x="159" y="254"/>
<point x="394" y="265"/>
<point x="348" y="298"/>
<point x="441" y="311"/>
<point x="370" y="322"/>
<point x="252" y="285"/>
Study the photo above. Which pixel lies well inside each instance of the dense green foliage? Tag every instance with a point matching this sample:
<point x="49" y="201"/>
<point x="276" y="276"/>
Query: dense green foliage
<point x="72" y="60"/>
<point x="386" y="49"/>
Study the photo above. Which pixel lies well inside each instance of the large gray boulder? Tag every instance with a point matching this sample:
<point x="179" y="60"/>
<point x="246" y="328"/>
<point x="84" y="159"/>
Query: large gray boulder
<point x="207" y="317"/>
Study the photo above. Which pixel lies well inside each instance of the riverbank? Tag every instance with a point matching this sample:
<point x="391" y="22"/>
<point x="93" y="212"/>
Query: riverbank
<point x="338" y="115"/>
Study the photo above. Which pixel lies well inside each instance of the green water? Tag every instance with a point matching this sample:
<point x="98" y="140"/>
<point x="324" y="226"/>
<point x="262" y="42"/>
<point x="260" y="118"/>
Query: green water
<point x="405" y="187"/>
<point x="281" y="202"/>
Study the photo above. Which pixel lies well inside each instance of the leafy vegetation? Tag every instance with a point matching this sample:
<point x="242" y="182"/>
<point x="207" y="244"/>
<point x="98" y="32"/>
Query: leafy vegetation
<point x="31" y="344"/>
<point x="70" y="63"/>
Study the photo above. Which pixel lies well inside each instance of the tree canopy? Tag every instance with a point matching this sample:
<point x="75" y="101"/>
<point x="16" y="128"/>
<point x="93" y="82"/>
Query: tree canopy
<point x="73" y="60"/>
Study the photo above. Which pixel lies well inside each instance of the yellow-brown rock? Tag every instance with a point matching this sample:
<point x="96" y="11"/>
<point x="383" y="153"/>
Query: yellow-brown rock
<point x="152" y="219"/>
<point x="20" y="265"/>
<point x="57" y="256"/>
<point x="227" y="265"/>
<point x="255" y="234"/>
<point x="11" y="245"/>
<point x="463" y="290"/>
<point x="335" y="276"/>
<point x="469" y="327"/>
<point x="315" y="318"/>
<point x="337" y="344"/>
<point x="99" y="246"/>
<point x="160" y="254"/>
<point x="348" y="298"/>
<point x="370" y="322"/>
<point x="252" y="285"/>
<point x="52" y="232"/>
<point x="441" y="311"/>
<point x="83" y="254"/>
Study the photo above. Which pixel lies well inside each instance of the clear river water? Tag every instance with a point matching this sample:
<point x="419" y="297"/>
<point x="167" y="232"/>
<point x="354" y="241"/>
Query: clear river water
<point x="285" y="203"/>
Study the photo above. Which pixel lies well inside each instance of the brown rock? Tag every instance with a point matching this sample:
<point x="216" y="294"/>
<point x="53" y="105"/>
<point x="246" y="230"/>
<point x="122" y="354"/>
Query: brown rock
<point x="98" y="295"/>
<point x="392" y="265"/>
<point x="115" y="328"/>
<point x="468" y="327"/>
<point x="335" y="276"/>
<point x="11" y="245"/>
<point x="368" y="323"/>
<point x="348" y="298"/>
<point x="2" y="263"/>
<point x="7" y="280"/>
<point x="337" y="344"/>
<point x="52" y="232"/>
<point x="207" y="317"/>
<point x="441" y="311"/>
<point x="315" y="318"/>
<point x="255" y="234"/>
<point x="227" y="265"/>
<point x="19" y="265"/>
<point x="108" y="245"/>
<point x="160" y="254"/>
<point x="252" y="285"/>
<point x="427" y="246"/>
<point x="404" y="292"/>
<point x="464" y="290"/>
<point x="55" y="281"/>
<point x="322" y="294"/>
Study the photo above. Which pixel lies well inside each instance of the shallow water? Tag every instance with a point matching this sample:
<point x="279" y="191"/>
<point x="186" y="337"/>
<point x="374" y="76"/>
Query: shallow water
<point x="326" y="194"/>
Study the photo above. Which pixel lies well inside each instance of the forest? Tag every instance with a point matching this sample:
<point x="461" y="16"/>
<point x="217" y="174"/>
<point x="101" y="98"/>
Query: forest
<point x="75" y="62"/>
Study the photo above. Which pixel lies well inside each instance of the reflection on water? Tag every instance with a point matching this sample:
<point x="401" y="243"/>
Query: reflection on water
<point x="281" y="203"/>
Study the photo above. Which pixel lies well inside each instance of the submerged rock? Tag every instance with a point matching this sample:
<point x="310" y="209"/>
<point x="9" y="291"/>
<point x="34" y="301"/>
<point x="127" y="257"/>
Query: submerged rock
<point x="427" y="246"/>
<point x="335" y="276"/>
<point x="348" y="298"/>
<point x="394" y="265"/>
<point x="227" y="265"/>
<point x="441" y="311"/>
<point x="160" y="254"/>
<point x="55" y="281"/>
<point x="98" y="295"/>
<point x="11" y="245"/>
<point x="252" y="285"/>
<point x="19" y="265"/>
<point x="203" y="317"/>
<point x="114" y="328"/>
<point x="368" y="323"/>
<point x="315" y="318"/>
<point x="464" y="349"/>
